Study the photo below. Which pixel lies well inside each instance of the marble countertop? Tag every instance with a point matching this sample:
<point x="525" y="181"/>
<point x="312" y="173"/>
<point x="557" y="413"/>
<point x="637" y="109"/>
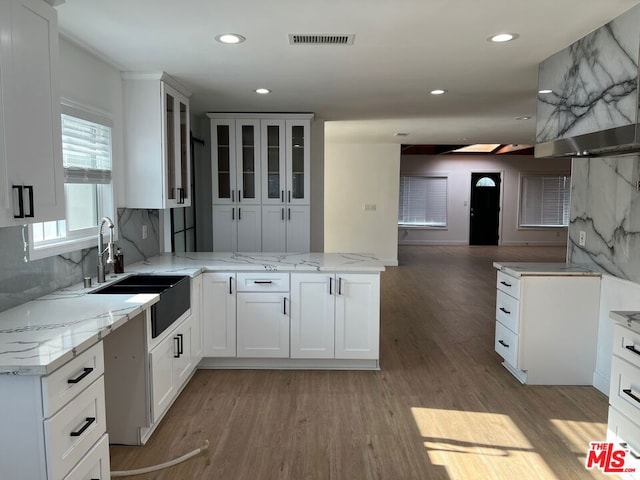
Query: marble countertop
<point x="519" y="269"/>
<point x="40" y="336"/>
<point x="629" y="319"/>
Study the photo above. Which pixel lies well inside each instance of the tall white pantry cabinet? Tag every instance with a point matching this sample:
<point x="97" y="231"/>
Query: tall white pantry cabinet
<point x="261" y="182"/>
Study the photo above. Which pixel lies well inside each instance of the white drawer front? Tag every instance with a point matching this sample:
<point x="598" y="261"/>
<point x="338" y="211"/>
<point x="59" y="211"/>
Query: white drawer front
<point x="70" y="433"/>
<point x="507" y="311"/>
<point x="507" y="344"/>
<point x="95" y="464"/>
<point x="626" y="344"/>
<point x="626" y="434"/>
<point x="625" y="387"/>
<point x="508" y="284"/>
<point x="262" y="282"/>
<point x="70" y="379"/>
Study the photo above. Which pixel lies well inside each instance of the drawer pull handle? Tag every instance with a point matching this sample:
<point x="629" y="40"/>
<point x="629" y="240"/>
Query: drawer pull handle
<point x="87" y="371"/>
<point x="506" y="284"/>
<point x="633" y="349"/>
<point x="631" y="452"/>
<point x="263" y="282"/>
<point x="505" y="345"/>
<point x="176" y="353"/>
<point x="627" y="391"/>
<point x="502" y="309"/>
<point x="87" y="424"/>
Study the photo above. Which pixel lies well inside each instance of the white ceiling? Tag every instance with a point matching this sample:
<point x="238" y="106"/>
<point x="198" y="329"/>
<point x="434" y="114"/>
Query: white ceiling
<point x="377" y="86"/>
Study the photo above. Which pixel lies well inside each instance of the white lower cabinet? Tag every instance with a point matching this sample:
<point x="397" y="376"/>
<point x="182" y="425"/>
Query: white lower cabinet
<point x="95" y="464"/>
<point x="219" y="314"/>
<point x="286" y="228"/>
<point x="263" y="325"/>
<point x="196" y="320"/>
<point x="237" y="228"/>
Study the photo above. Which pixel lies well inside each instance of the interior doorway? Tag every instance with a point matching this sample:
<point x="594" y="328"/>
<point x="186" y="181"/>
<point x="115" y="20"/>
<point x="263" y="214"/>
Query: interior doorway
<point x="484" y="214"/>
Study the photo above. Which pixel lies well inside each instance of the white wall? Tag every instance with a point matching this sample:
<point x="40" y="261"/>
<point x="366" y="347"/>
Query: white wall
<point x="458" y="168"/>
<point x="355" y="175"/>
<point x="92" y="82"/>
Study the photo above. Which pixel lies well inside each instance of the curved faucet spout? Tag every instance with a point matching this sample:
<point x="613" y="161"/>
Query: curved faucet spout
<point x="109" y="248"/>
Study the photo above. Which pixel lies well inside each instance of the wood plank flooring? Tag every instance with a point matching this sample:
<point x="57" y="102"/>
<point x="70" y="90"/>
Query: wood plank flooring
<point x="442" y="406"/>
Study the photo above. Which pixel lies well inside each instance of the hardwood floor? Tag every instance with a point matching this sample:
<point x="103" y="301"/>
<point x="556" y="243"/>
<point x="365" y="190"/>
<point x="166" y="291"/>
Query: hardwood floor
<point x="441" y="407"/>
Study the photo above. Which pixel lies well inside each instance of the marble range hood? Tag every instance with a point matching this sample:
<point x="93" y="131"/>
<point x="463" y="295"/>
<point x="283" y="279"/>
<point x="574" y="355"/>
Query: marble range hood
<point x="588" y="94"/>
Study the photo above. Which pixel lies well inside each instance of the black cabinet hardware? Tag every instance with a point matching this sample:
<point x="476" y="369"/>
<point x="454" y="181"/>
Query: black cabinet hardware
<point x="283" y="214"/>
<point x="505" y="345"/>
<point x="627" y="391"/>
<point x="282" y="195"/>
<point x="285" y="305"/>
<point x="233" y="213"/>
<point x="180" y="344"/>
<point x="506" y="284"/>
<point x="289" y="213"/>
<point x="88" y="421"/>
<point x="263" y="282"/>
<point x="230" y="288"/>
<point x="339" y="285"/>
<point x="330" y="285"/>
<point x="29" y="188"/>
<point x="239" y="195"/>
<point x="504" y="310"/>
<point x="177" y="349"/>
<point x="239" y="213"/>
<point x="85" y="372"/>
<point x="633" y="349"/>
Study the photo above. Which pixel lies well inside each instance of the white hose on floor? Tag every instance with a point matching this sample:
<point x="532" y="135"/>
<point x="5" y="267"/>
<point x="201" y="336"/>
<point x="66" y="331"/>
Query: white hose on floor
<point x="160" y="466"/>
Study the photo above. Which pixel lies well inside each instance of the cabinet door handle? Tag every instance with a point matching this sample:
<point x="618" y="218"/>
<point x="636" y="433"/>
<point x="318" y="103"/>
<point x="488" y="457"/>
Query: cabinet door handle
<point x="289" y="214"/>
<point x="282" y="195"/>
<point x="631" y="452"/>
<point x="239" y="195"/>
<point x="239" y="213"/>
<point x="233" y="213"/>
<point x="263" y="282"/>
<point x="29" y="188"/>
<point x="230" y="286"/>
<point x="506" y="284"/>
<point x="182" y="195"/>
<point x="85" y="372"/>
<point x="283" y="214"/>
<point x="180" y="344"/>
<point x="285" y="305"/>
<point x="233" y="195"/>
<point x="330" y="285"/>
<point x="504" y="310"/>
<point x="339" y="285"/>
<point x="627" y="391"/>
<point x="505" y="345"/>
<point x="88" y="421"/>
<point x="289" y="194"/>
<point x="20" y="202"/>
<point x="633" y="349"/>
<point x="176" y="353"/>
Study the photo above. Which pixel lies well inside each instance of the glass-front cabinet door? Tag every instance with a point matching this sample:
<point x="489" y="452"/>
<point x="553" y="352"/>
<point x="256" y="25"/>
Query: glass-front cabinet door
<point x="273" y="162"/>
<point x="298" y="161"/>
<point x="184" y="185"/>
<point x="170" y="144"/>
<point x="177" y="156"/>
<point x="248" y="162"/>
<point x="223" y="152"/>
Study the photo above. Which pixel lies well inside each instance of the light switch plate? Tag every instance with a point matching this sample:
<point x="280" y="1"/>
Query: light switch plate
<point x="583" y="238"/>
<point x="370" y="207"/>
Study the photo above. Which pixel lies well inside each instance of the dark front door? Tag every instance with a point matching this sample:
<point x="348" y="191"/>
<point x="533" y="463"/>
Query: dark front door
<point x="485" y="209"/>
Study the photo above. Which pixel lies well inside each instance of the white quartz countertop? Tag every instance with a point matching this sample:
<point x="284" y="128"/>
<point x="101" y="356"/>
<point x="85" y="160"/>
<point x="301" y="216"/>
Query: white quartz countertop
<point x="519" y="269"/>
<point x="630" y="319"/>
<point x="40" y="336"/>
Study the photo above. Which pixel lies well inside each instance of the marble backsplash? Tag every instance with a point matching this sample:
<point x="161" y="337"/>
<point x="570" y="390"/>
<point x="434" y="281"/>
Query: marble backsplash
<point x="605" y="203"/>
<point x="22" y="281"/>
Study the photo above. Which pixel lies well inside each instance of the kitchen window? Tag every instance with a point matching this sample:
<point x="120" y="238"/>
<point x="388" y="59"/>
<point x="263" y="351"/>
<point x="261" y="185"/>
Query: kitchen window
<point x="544" y="200"/>
<point x="423" y="201"/>
<point x="86" y="153"/>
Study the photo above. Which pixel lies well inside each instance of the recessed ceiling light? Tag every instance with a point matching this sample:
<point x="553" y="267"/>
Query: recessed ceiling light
<point x="503" y="37"/>
<point x="438" y="91"/>
<point x="230" y="38"/>
<point x="263" y="91"/>
<point x="526" y="117"/>
<point x="400" y="134"/>
<point x="545" y="90"/>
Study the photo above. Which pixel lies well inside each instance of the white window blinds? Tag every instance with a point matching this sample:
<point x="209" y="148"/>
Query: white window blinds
<point x="86" y="151"/>
<point x="423" y="201"/>
<point x="544" y="200"/>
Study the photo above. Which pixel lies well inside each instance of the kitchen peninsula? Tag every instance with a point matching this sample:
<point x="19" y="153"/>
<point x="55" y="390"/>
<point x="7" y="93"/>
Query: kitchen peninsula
<point x="258" y="310"/>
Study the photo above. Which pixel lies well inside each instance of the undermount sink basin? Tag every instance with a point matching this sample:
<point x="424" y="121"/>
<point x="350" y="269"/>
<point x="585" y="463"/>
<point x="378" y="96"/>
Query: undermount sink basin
<point x="174" y="290"/>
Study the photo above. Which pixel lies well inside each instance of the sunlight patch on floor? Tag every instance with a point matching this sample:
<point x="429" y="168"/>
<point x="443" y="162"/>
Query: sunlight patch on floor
<point x="577" y="436"/>
<point x="479" y="445"/>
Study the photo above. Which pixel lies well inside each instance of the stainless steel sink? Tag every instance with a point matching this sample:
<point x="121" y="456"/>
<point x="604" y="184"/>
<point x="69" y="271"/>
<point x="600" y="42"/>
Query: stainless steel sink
<point x="174" y="290"/>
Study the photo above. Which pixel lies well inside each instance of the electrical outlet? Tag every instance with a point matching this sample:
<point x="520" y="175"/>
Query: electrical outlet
<point x="144" y="232"/>
<point x="583" y="238"/>
<point x="370" y="207"/>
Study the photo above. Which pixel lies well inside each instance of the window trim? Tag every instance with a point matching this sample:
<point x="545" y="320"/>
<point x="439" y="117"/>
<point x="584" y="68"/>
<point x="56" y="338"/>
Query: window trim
<point x="87" y="237"/>
<point x="521" y="227"/>
<point x="409" y="226"/>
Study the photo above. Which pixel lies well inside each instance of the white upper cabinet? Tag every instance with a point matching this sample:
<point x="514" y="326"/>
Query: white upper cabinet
<point x="31" y="173"/>
<point x="298" y="161"/>
<point x="273" y="162"/>
<point x="157" y="143"/>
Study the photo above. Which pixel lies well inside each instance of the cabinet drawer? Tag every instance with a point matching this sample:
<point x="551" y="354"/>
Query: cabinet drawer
<point x="262" y="282"/>
<point x="508" y="284"/>
<point x="626" y="344"/>
<point x="625" y="433"/>
<point x="625" y="387"/>
<point x="95" y="464"/>
<point x="507" y="344"/>
<point x="507" y="311"/>
<point x="71" y="432"/>
<point x="70" y="379"/>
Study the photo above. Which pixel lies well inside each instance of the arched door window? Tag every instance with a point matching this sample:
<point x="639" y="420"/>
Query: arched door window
<point x="485" y="182"/>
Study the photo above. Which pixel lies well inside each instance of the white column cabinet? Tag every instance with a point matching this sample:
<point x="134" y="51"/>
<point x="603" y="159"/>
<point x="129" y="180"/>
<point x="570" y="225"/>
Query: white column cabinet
<point x="196" y="315"/>
<point x="157" y="143"/>
<point x="262" y="160"/>
<point x="263" y="325"/>
<point x="31" y="173"/>
<point x="249" y="224"/>
<point x="219" y="314"/>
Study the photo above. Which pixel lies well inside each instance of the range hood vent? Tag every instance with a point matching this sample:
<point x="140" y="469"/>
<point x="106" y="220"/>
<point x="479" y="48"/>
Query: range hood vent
<point x="605" y="143"/>
<point x="321" y="39"/>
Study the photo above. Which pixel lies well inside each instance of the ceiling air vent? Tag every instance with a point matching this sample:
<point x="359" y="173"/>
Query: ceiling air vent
<point x="321" y="39"/>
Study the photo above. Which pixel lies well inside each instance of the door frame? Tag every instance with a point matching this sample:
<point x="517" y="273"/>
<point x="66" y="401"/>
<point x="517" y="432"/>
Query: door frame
<point x="500" y="202"/>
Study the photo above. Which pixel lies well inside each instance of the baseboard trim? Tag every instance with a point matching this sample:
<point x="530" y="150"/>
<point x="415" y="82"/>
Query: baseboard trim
<point x="533" y="244"/>
<point x="432" y="242"/>
<point x="601" y="383"/>
<point x="232" y="363"/>
<point x="389" y="263"/>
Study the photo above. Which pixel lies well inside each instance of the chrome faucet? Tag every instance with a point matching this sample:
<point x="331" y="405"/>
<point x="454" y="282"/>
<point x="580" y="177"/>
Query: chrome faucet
<point x="109" y="248"/>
